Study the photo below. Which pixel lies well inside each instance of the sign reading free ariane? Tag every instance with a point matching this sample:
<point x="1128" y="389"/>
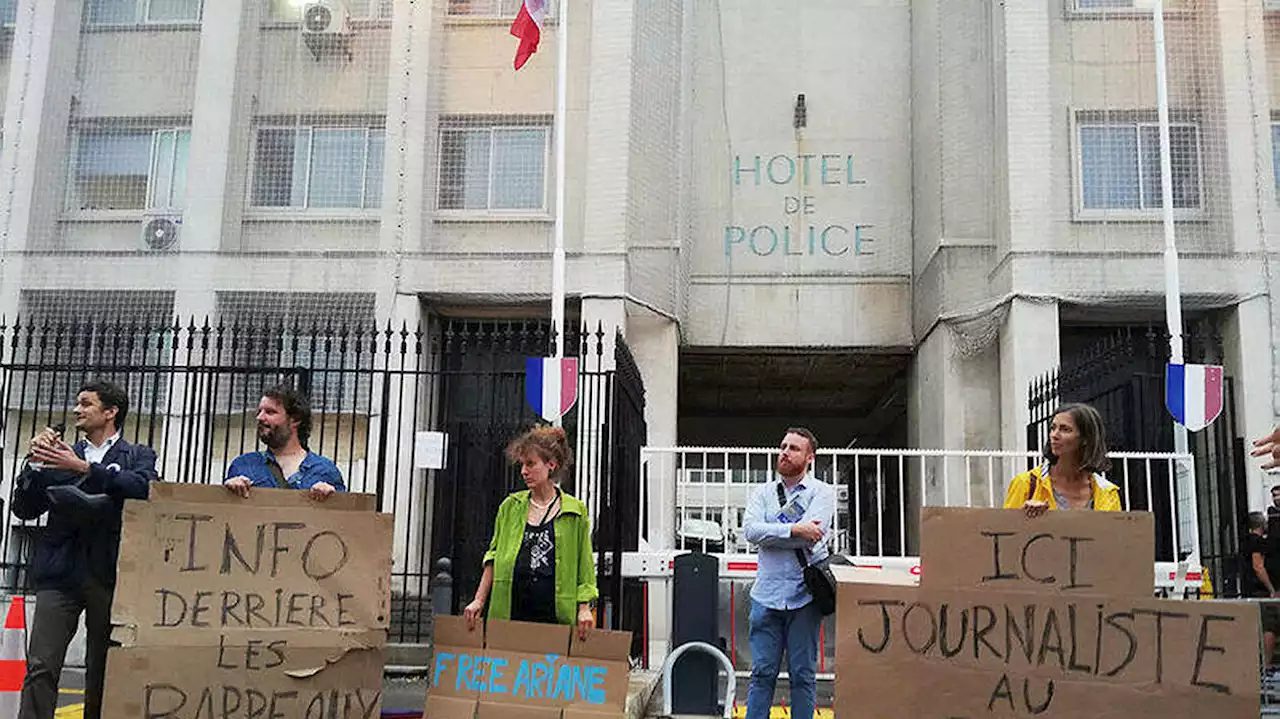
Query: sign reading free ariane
<point x="803" y="228"/>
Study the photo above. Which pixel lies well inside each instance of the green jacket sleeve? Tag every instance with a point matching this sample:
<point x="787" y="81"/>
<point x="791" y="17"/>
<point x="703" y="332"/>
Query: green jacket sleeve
<point x="492" y="555"/>
<point x="587" y="590"/>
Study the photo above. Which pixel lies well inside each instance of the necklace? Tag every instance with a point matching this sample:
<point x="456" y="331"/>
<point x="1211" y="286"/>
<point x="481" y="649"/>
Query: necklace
<point x="541" y="505"/>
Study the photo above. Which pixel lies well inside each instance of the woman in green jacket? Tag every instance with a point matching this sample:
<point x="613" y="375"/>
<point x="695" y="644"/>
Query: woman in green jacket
<point x="540" y="566"/>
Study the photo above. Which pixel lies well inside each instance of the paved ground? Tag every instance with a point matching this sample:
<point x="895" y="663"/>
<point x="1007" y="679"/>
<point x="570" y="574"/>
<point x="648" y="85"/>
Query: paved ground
<point x="781" y="700"/>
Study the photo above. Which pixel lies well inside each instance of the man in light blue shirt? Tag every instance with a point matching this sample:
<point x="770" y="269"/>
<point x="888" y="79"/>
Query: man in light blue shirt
<point x="783" y="614"/>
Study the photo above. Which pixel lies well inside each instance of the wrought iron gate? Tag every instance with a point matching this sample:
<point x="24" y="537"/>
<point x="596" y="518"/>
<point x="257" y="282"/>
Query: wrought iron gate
<point x="194" y="388"/>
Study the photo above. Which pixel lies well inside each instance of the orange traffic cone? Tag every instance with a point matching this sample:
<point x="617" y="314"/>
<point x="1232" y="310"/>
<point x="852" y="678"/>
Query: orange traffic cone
<point x="13" y="657"/>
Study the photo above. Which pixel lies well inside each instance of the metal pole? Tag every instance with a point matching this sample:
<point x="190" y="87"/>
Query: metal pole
<point x="1172" y="286"/>
<point x="557" y="254"/>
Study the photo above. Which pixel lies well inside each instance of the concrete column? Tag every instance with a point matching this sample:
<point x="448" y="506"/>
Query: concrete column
<point x="1029" y="347"/>
<point x="1025" y="114"/>
<point x="407" y="491"/>
<point x="608" y="124"/>
<point x="655" y="344"/>
<point x="221" y="115"/>
<point x="1247" y="346"/>
<point x="409" y="178"/>
<point x="951" y="398"/>
<point x="1246" y="126"/>
<point x="33" y="164"/>
<point x="593" y="409"/>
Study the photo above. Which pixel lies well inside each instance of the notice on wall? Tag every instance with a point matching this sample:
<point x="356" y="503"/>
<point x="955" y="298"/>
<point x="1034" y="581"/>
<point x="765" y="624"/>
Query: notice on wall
<point x="274" y="606"/>
<point x="1045" y="625"/>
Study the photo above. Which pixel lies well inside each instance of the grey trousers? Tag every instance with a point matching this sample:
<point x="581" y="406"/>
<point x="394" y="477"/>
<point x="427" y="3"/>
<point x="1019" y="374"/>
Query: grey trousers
<point x="56" y="619"/>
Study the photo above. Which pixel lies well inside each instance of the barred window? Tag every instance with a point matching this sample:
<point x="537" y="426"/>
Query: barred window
<point x="1275" y="154"/>
<point x="1104" y="4"/>
<point x="120" y="335"/>
<point x="496" y="168"/>
<point x="319" y="167"/>
<point x="130" y="169"/>
<point x="8" y="12"/>
<point x="1120" y="166"/>
<point x="304" y="337"/>
<point x="131" y="12"/>
<point x="291" y="10"/>
<point x="503" y="9"/>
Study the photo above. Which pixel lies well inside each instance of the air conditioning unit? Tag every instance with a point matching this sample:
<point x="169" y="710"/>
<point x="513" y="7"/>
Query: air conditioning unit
<point x="326" y="28"/>
<point x="325" y="17"/>
<point x="160" y="230"/>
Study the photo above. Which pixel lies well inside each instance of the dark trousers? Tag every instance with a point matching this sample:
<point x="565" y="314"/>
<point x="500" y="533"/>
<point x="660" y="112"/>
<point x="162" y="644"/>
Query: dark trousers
<point x="56" y="619"/>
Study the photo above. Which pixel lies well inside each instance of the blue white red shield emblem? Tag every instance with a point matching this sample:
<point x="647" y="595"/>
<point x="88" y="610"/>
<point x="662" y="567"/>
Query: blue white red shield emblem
<point x="551" y="385"/>
<point x="1193" y="394"/>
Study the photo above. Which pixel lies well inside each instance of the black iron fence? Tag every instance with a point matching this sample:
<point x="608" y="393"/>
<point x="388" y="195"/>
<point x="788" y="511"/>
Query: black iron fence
<point x="194" y="388"/>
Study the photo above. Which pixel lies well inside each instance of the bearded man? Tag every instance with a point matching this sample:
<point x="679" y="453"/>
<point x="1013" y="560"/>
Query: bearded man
<point x="284" y="425"/>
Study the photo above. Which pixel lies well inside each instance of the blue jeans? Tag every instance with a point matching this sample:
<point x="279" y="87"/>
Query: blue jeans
<point x="773" y="630"/>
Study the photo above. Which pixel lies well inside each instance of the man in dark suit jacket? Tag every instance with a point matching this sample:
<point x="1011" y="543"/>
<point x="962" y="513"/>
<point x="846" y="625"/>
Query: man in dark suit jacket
<point x="73" y="562"/>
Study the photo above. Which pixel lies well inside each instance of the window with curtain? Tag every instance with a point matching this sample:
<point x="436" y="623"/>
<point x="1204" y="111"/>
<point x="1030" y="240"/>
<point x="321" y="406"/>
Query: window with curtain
<point x="130" y="169"/>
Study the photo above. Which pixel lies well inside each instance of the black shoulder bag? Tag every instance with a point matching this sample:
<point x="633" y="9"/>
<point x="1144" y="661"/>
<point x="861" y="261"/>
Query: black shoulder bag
<point x="818" y="578"/>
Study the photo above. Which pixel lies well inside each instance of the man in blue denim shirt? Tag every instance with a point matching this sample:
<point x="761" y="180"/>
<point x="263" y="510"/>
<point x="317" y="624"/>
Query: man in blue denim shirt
<point x="284" y="424"/>
<point x="783" y="615"/>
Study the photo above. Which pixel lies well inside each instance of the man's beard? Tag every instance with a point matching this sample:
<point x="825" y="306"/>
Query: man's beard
<point x="786" y="469"/>
<point x="273" y="437"/>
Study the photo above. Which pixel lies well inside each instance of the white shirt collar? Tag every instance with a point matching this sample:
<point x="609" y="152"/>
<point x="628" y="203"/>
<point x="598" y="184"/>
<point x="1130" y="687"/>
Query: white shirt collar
<point x="106" y="444"/>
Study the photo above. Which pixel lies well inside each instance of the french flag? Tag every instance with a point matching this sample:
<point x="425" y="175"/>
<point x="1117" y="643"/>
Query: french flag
<point x="551" y="385"/>
<point x="1193" y="394"/>
<point x="528" y="27"/>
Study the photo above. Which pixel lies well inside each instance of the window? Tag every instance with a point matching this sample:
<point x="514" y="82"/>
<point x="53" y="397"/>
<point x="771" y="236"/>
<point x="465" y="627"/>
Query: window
<point x="319" y="167"/>
<point x="276" y="336"/>
<point x="493" y="168"/>
<point x="8" y="12"/>
<point x="130" y="169"/>
<point x="503" y="9"/>
<point x="1104" y="4"/>
<point x="132" y="12"/>
<point x="1275" y="154"/>
<point x="1120" y="166"/>
<point x="291" y="10"/>
<point x="119" y="335"/>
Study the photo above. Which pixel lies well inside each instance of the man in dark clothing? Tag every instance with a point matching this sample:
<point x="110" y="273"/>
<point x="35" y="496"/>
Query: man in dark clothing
<point x="73" y="561"/>
<point x="1257" y="582"/>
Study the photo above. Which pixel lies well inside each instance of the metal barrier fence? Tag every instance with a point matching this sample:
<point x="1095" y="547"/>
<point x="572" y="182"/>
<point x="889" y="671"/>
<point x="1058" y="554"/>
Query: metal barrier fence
<point x="696" y="497"/>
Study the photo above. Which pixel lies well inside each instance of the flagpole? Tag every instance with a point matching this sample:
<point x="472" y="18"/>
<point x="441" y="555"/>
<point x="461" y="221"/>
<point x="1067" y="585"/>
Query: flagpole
<point x="1172" y="283"/>
<point x="557" y="253"/>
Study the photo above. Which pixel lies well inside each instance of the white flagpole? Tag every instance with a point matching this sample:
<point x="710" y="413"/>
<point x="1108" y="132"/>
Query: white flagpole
<point x="1172" y="284"/>
<point x="557" y="253"/>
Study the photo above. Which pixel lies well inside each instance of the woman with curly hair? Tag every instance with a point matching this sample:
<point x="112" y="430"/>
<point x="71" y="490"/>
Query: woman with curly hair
<point x="540" y="566"/>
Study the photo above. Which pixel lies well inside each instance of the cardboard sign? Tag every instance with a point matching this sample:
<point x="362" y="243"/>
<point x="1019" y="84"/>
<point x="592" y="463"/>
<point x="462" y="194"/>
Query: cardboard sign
<point x="254" y="678"/>
<point x="274" y="606"/>
<point x="533" y="670"/>
<point x="1026" y="646"/>
<point x="1069" y="552"/>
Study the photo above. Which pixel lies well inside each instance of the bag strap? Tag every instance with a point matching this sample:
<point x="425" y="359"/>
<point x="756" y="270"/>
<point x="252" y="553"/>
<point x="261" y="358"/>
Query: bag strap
<point x="782" y="502"/>
<point x="278" y="473"/>
<point x="1031" y="486"/>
